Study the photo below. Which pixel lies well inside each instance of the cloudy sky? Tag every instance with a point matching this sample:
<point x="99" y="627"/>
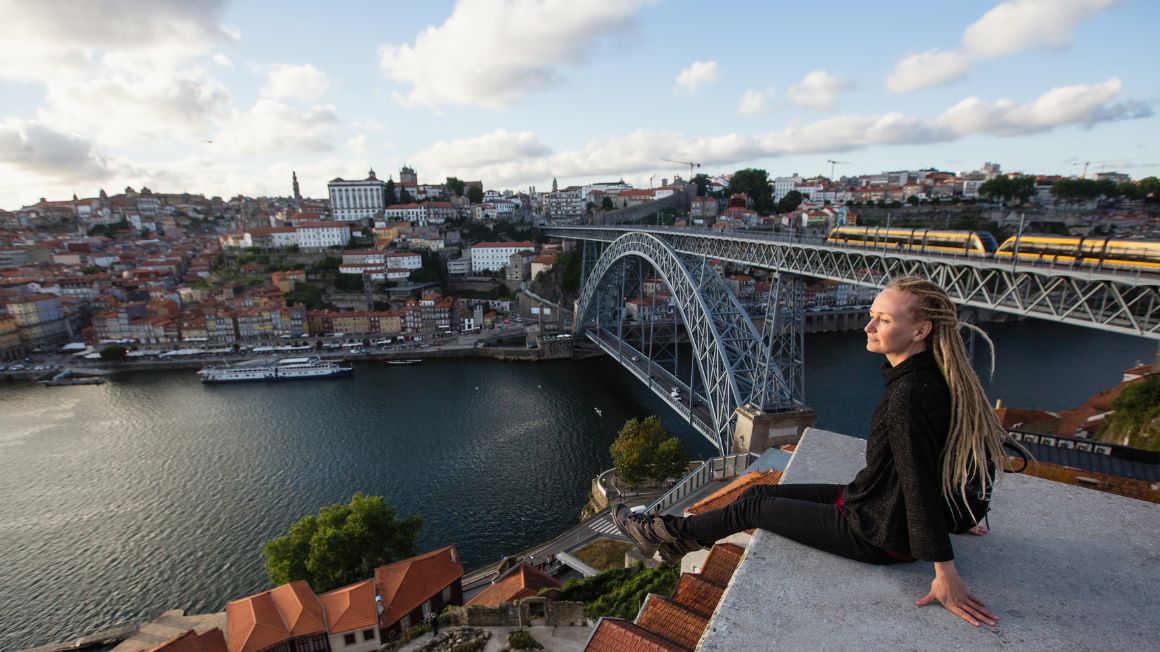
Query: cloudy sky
<point x="108" y="93"/>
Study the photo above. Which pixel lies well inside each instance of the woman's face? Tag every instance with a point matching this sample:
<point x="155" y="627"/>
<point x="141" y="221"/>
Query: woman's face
<point x="891" y="331"/>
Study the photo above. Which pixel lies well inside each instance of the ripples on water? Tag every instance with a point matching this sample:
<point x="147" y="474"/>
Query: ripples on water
<point x="154" y="491"/>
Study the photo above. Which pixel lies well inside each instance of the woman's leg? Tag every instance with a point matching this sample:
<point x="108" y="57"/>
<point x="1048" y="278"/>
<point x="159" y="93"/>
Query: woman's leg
<point x="804" y="513"/>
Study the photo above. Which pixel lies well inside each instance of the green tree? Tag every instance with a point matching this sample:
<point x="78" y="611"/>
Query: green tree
<point x="342" y="544"/>
<point x="606" y="204"/>
<point x="792" y="200"/>
<point x="405" y="197"/>
<point x="912" y="200"/>
<point x="1149" y="189"/>
<point x="1136" y="419"/>
<point x="755" y="184"/>
<point x="643" y="450"/>
<point x="389" y="193"/>
<point x="114" y="352"/>
<point x="454" y="186"/>
<point x="475" y="194"/>
<point x="701" y="180"/>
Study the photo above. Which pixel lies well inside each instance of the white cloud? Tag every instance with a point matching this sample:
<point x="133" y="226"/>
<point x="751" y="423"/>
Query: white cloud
<point x="490" y="53"/>
<point x="31" y="147"/>
<point x="755" y="102"/>
<point x="1019" y="25"/>
<point x="818" y="90"/>
<point x="222" y="60"/>
<point x="357" y="146"/>
<point x="303" y="82"/>
<point x="930" y="68"/>
<point x="1011" y="27"/>
<point x="271" y="126"/>
<point x="501" y="158"/>
<point x="691" y="79"/>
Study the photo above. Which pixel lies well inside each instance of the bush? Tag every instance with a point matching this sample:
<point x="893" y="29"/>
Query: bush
<point x="620" y="593"/>
<point x="521" y="639"/>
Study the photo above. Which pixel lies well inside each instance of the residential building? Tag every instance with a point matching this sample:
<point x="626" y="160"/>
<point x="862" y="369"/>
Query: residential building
<point x="519" y="266"/>
<point x="518" y="582"/>
<point x="39" y="318"/>
<point x="494" y="256"/>
<point x="567" y="203"/>
<point x="356" y="200"/>
<point x="352" y="618"/>
<point x="273" y="237"/>
<point x="542" y="264"/>
<point x="288" y="618"/>
<point x="414" y="588"/>
<point x="321" y="235"/>
<point x="459" y="266"/>
<point x="703" y="209"/>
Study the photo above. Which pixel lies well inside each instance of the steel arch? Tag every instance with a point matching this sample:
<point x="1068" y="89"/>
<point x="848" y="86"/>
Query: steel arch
<point x="728" y="349"/>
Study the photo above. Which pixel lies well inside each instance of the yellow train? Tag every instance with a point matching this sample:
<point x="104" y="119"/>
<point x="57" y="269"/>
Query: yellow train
<point x="973" y="243"/>
<point x="1102" y="252"/>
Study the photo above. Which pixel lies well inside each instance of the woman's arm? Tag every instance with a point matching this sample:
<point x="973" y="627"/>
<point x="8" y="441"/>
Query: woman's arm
<point x="949" y="590"/>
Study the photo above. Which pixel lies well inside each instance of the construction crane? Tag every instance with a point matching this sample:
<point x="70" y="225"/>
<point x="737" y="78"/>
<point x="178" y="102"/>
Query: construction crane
<point x="832" y="163"/>
<point x="1103" y="164"/>
<point x="688" y="163"/>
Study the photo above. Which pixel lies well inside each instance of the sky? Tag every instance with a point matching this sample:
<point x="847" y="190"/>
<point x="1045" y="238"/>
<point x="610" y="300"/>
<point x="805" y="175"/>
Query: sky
<point x="226" y="98"/>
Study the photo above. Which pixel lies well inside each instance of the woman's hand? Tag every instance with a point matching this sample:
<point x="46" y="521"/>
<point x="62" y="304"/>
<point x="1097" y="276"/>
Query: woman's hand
<point x="978" y="530"/>
<point x="949" y="590"/>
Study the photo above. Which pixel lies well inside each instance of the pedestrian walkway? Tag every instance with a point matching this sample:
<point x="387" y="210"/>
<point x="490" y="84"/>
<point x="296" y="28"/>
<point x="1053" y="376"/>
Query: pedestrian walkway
<point x="603" y="525"/>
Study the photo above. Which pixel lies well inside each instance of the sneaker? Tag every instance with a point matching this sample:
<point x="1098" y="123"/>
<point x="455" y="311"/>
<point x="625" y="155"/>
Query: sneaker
<point x="648" y="532"/>
<point x="674" y="551"/>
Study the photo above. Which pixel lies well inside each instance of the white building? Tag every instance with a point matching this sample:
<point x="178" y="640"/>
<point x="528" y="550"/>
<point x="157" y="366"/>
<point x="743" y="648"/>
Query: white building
<point x="567" y="203"/>
<point x="494" y="256"/>
<point x="320" y="235"/>
<point x="782" y="186"/>
<point x="355" y="200"/>
<point x="274" y="237"/>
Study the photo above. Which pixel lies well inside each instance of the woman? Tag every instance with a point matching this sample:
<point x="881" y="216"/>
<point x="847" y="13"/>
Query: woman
<point x="931" y="430"/>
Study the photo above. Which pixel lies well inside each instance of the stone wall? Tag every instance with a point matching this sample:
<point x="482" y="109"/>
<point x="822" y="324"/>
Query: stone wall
<point x="563" y="614"/>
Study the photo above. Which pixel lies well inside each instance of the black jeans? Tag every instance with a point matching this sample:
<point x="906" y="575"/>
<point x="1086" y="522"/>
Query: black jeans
<point x="805" y="513"/>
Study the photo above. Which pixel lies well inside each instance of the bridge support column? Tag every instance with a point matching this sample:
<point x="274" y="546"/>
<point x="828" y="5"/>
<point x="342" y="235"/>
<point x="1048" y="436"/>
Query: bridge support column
<point x="757" y="430"/>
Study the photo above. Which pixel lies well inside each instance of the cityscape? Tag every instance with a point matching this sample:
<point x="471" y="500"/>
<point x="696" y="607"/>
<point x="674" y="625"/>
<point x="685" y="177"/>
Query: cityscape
<point x="480" y="327"/>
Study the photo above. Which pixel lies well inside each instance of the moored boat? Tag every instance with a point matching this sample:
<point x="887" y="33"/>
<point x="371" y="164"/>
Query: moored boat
<point x="407" y="361"/>
<point x="282" y="369"/>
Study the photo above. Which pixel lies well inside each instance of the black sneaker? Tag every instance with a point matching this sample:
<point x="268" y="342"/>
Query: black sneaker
<point x="648" y="532"/>
<point x="674" y="551"/>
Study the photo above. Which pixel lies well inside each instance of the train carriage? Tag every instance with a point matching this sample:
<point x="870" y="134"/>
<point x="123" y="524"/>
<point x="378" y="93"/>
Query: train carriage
<point x="1103" y="252"/>
<point x="971" y="243"/>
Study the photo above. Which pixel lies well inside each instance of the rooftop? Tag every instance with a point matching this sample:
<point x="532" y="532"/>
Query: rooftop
<point x="1063" y="567"/>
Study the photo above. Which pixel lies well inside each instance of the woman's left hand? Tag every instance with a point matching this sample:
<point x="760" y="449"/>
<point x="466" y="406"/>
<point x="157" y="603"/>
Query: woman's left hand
<point x="949" y="590"/>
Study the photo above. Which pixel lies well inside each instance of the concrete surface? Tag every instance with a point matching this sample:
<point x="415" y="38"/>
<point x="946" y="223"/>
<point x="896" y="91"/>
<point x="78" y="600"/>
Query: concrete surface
<point x="1065" y="568"/>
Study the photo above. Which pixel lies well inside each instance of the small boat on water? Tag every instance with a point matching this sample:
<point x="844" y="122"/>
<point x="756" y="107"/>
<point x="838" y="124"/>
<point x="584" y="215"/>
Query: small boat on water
<point x="67" y="377"/>
<point x="282" y="369"/>
<point x="407" y="361"/>
<point x="598" y="412"/>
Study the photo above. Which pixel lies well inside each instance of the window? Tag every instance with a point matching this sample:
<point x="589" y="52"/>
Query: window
<point x="405" y="622"/>
<point x="368" y="634"/>
<point x="348" y="639"/>
<point x="446" y="594"/>
<point x="427" y="609"/>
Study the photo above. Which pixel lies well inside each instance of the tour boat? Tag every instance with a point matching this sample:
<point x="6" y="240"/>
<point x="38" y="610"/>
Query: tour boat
<point x="282" y="369"/>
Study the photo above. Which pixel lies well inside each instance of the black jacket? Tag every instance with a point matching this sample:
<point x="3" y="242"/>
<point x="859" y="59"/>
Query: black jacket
<point x="896" y="502"/>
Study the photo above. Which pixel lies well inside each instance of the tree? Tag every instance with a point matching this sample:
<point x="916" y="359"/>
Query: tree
<point x="643" y="450"/>
<point x="342" y="545"/>
<point x="606" y="204"/>
<point x="912" y="200"/>
<point x="701" y="180"/>
<point x="114" y="352"/>
<point x="454" y="186"/>
<point x="1135" y="421"/>
<point x="792" y="200"/>
<point x="475" y="194"/>
<point x="405" y="197"/>
<point x="1149" y="189"/>
<point x="389" y="193"/>
<point x="755" y="184"/>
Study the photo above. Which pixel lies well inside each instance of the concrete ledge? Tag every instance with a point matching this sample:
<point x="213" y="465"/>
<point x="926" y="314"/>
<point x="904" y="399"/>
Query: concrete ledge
<point x="1065" y="568"/>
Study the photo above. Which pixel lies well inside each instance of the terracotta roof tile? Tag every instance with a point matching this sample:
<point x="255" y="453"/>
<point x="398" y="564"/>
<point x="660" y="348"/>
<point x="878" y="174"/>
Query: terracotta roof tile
<point x="253" y="624"/>
<point x="730" y="492"/>
<point x="615" y="635"/>
<point x="698" y="594"/>
<point x="721" y="563"/>
<point x="670" y="620"/>
<point x="191" y="641"/>
<point x="406" y="584"/>
<point x="519" y="582"/>
<point x="350" y="608"/>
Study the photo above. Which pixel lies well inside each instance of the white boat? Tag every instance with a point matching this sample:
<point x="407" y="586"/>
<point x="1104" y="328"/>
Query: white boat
<point x="283" y="369"/>
<point x="407" y="361"/>
<point x="598" y="412"/>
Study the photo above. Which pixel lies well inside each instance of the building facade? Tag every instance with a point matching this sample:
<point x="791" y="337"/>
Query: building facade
<point x="356" y="200"/>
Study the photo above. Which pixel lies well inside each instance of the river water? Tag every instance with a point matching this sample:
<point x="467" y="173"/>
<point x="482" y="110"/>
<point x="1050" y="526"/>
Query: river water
<point x="154" y="492"/>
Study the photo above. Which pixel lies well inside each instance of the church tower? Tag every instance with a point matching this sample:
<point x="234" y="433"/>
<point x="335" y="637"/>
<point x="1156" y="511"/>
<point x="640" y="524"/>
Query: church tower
<point x="297" y="193"/>
<point x="555" y="186"/>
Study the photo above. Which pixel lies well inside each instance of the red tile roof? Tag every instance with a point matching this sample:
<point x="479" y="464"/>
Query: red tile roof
<point x="406" y="584"/>
<point x="271" y="617"/>
<point x="518" y="245"/>
<point x="522" y="581"/>
<point x="698" y="594"/>
<point x="615" y="635"/>
<point x="666" y="618"/>
<point x="730" y="492"/>
<point x="350" y="608"/>
<point x="721" y="562"/>
<point x="191" y="641"/>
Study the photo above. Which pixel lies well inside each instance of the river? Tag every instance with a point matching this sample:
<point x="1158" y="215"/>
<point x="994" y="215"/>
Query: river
<point x="153" y="491"/>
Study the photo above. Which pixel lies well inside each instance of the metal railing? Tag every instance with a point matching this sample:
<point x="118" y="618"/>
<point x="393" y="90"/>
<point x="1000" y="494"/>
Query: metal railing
<point x="711" y="470"/>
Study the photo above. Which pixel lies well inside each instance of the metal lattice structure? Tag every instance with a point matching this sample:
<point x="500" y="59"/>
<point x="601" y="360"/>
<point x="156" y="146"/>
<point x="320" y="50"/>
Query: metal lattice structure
<point x="1109" y="300"/>
<point x="734" y="363"/>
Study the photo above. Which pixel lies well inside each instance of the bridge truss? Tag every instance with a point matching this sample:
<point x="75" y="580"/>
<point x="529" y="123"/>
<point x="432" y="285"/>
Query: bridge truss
<point x="732" y="362"/>
<point x="1101" y="299"/>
